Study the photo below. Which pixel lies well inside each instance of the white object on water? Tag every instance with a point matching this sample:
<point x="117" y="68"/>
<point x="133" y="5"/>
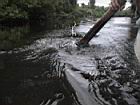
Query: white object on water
<point x="73" y="32"/>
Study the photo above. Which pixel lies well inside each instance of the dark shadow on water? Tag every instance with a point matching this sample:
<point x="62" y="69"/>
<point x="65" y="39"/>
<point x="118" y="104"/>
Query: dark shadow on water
<point x="17" y="36"/>
<point x="39" y="81"/>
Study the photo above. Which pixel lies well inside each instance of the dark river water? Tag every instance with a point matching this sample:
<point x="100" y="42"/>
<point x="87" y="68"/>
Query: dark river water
<point x="40" y="67"/>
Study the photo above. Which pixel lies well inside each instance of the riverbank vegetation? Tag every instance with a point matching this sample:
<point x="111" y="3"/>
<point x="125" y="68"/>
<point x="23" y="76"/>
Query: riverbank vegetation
<point x="59" y="13"/>
<point x="125" y="13"/>
<point x="35" y="10"/>
<point x="53" y="13"/>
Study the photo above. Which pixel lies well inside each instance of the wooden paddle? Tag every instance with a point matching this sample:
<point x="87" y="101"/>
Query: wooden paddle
<point x="97" y="27"/>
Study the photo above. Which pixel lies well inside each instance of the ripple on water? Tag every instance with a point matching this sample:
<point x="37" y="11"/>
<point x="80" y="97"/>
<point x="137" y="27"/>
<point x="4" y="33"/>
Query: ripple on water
<point x="52" y="71"/>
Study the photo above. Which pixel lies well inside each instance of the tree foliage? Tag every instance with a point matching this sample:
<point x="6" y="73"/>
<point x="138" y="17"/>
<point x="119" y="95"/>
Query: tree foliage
<point x="35" y="9"/>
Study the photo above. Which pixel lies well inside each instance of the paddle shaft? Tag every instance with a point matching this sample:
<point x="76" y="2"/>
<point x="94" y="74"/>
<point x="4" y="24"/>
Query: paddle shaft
<point x="100" y="23"/>
<point x="96" y="28"/>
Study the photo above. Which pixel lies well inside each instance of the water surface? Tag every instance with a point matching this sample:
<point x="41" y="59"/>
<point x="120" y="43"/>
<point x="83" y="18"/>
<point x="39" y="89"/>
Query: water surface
<point x="48" y="68"/>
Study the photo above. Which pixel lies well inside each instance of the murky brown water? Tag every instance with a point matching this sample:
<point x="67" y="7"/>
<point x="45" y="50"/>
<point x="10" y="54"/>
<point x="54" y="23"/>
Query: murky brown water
<point x="51" y="70"/>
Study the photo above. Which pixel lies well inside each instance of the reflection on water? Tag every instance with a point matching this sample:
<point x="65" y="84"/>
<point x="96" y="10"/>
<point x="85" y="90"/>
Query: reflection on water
<point x="15" y="37"/>
<point x="50" y="70"/>
<point x="12" y="37"/>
